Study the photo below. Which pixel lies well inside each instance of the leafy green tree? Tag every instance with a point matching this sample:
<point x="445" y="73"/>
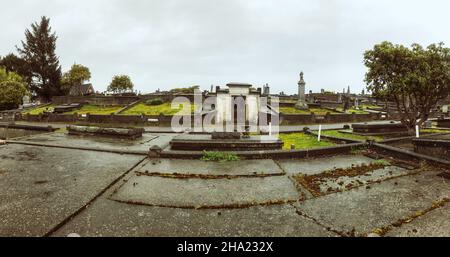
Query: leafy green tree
<point x="415" y="78"/>
<point x="12" y="90"/>
<point x="120" y="83"/>
<point x="77" y="75"/>
<point x="38" y="51"/>
<point x="13" y="63"/>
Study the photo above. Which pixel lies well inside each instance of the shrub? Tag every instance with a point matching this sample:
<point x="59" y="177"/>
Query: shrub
<point x="156" y="101"/>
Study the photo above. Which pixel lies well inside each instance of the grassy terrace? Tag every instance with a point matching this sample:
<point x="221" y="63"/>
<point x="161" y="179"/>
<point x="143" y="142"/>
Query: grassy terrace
<point x="293" y="110"/>
<point x="95" y="109"/>
<point x="351" y="110"/>
<point x="302" y="141"/>
<point x="337" y="133"/>
<point x="164" y="108"/>
<point x="38" y="110"/>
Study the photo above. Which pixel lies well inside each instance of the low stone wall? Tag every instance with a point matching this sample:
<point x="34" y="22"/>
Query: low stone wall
<point x="100" y="118"/>
<point x="116" y="100"/>
<point x="95" y="100"/>
<point x="272" y="154"/>
<point x="286" y="119"/>
<point x="293" y="119"/>
<point x="7" y="116"/>
<point x="443" y="123"/>
<point x="405" y="154"/>
<point x="433" y="147"/>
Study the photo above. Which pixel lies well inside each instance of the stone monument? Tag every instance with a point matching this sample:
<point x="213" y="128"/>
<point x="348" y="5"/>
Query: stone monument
<point x="301" y="103"/>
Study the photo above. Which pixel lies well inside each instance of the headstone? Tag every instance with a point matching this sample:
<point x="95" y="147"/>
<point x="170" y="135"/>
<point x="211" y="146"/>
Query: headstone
<point x="26" y="99"/>
<point x="445" y="108"/>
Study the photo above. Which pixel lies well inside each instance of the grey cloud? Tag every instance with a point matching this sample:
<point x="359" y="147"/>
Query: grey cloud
<point x="172" y="43"/>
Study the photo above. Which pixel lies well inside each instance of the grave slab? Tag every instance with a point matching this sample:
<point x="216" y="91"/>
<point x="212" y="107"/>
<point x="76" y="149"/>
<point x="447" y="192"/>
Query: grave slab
<point x="41" y="186"/>
<point x="384" y="203"/>
<point x="203" y="193"/>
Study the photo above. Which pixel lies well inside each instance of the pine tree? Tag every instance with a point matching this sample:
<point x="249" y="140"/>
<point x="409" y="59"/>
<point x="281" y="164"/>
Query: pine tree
<point x="38" y="51"/>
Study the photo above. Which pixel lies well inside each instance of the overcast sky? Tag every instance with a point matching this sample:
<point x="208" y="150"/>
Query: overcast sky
<point x="175" y="43"/>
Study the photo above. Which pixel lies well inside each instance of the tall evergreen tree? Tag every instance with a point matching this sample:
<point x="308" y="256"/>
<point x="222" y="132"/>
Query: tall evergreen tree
<point x="38" y="51"/>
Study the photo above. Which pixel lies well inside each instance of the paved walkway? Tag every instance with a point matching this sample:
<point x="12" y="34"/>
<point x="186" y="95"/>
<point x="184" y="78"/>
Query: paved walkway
<point x="57" y="191"/>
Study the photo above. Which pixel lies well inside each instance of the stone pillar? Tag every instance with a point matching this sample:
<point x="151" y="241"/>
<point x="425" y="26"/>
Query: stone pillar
<point x="301" y="103"/>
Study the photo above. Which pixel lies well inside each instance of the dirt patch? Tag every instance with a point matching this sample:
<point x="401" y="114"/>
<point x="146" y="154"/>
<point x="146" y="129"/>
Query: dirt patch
<point x="203" y="176"/>
<point x="313" y="182"/>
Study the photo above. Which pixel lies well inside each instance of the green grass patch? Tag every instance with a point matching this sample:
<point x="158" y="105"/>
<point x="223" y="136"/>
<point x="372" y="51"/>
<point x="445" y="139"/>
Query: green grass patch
<point x="337" y="133"/>
<point x="382" y="162"/>
<point x="39" y="110"/>
<point x="164" y="108"/>
<point x="293" y="110"/>
<point x="351" y="110"/>
<point x="371" y="106"/>
<point x="302" y="141"/>
<point x="434" y="130"/>
<point x="96" y="109"/>
<point x="219" y="156"/>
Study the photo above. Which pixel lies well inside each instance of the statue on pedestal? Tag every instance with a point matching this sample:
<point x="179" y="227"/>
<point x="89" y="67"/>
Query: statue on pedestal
<point x="301" y="103"/>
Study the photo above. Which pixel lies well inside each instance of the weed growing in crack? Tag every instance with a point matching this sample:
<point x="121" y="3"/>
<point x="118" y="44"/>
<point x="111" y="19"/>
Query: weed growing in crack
<point x="219" y="156"/>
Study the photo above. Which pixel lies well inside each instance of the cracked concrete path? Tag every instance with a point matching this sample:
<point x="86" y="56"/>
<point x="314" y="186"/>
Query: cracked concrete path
<point x="137" y="220"/>
<point x="435" y="223"/>
<point x="57" y="191"/>
<point x="319" y="165"/>
<point x="199" y="167"/>
<point x="366" y="209"/>
<point x="40" y="186"/>
<point x="206" y="193"/>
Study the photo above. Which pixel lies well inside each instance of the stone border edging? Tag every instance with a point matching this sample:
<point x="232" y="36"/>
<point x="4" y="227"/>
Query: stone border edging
<point x="78" y="148"/>
<point x="28" y="127"/>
